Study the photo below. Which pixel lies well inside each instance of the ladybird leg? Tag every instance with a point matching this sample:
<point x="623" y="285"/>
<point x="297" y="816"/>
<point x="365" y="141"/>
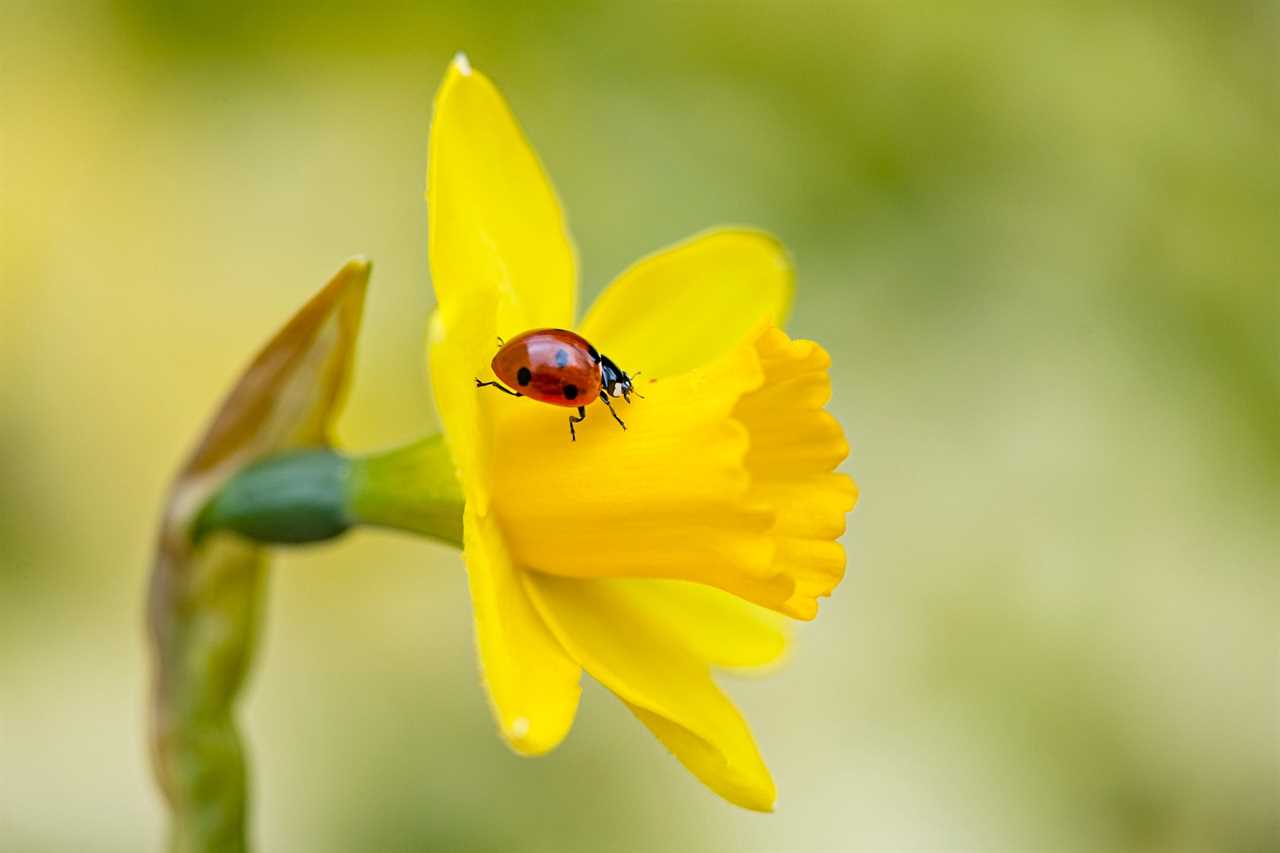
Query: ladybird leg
<point x="605" y="397"/>
<point x="582" y="416"/>
<point x="503" y="388"/>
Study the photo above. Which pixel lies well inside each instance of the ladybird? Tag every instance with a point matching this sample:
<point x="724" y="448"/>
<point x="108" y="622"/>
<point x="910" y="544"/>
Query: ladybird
<point x="562" y="368"/>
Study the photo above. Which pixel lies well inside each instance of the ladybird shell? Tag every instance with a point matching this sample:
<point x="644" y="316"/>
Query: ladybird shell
<point x="553" y="366"/>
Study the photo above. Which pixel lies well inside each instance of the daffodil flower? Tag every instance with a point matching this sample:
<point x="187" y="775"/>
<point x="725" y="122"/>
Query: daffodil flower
<point x="647" y="557"/>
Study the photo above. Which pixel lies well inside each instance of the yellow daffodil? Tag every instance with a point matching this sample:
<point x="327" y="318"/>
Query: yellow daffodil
<point x="650" y="556"/>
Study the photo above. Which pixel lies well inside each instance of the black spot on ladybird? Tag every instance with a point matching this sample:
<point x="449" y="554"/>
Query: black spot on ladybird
<point x="523" y="376"/>
<point x="570" y="392"/>
<point x="562" y="358"/>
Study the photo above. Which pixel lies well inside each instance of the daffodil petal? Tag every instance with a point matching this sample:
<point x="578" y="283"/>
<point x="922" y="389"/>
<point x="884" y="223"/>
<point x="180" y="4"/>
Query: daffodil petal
<point x="533" y="684"/>
<point x="718" y="628"/>
<point x="501" y="259"/>
<point x="687" y="305"/>
<point x="467" y="432"/>
<point x="497" y="236"/>
<point x="620" y="643"/>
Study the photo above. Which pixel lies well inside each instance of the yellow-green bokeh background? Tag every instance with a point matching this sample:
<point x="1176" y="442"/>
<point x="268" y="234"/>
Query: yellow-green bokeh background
<point x="1041" y="240"/>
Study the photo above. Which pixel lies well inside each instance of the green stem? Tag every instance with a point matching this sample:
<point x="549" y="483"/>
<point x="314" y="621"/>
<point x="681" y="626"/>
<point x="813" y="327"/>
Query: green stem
<point x="206" y="595"/>
<point x="314" y="495"/>
<point x="412" y="488"/>
<point x="204" y="608"/>
<point x="288" y="499"/>
<point x="205" y="598"/>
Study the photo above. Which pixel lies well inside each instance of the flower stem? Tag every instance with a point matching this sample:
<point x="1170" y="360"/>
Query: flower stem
<point x="313" y="495"/>
<point x="286" y="499"/>
<point x="204" y="609"/>
<point x="205" y="599"/>
<point x="412" y="488"/>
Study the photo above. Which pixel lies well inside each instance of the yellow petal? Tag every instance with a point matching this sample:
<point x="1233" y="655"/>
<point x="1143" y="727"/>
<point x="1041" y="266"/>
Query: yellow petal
<point x="533" y="684"/>
<point x="718" y="628"/>
<point x="501" y="258"/>
<point x="467" y="430"/>
<point x="668" y="688"/>
<point x="496" y="230"/>
<point x="687" y="305"/>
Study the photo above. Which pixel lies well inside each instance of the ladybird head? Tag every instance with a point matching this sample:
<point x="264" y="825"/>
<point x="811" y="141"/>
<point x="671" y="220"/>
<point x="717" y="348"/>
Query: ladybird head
<point x="625" y="388"/>
<point x="614" y="379"/>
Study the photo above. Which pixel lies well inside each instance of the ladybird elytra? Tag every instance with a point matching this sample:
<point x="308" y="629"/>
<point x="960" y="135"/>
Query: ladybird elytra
<point x="559" y="367"/>
<point x="551" y="366"/>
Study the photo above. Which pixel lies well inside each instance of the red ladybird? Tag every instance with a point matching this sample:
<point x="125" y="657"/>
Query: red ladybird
<point x="559" y="367"/>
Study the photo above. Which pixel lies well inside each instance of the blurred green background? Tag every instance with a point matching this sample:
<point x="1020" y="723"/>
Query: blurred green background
<point x="1042" y="242"/>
